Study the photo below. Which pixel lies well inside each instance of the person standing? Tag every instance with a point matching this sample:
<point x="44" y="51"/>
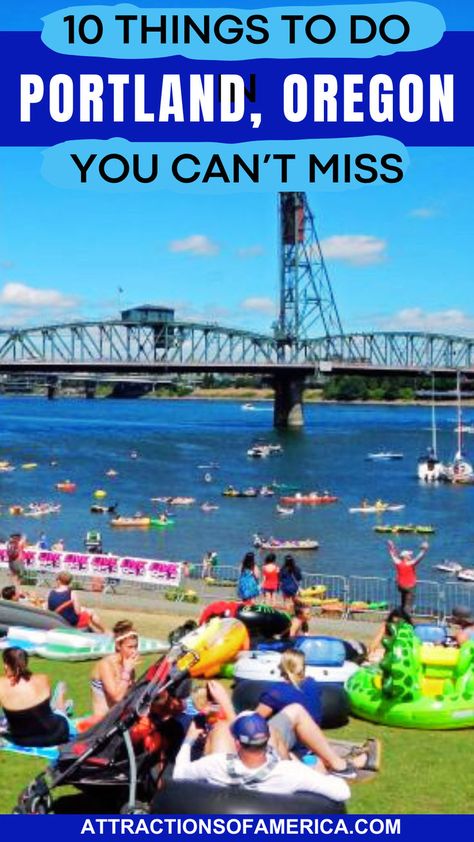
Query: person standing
<point x="290" y="580"/>
<point x="16" y="557"/>
<point x="405" y="571"/>
<point x="248" y="587"/>
<point x="270" y="579"/>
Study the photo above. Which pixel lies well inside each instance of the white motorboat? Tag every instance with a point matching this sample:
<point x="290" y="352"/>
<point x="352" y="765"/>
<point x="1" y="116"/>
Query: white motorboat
<point x="284" y="511"/>
<point x="448" y="566"/>
<point x="384" y="456"/>
<point x="248" y="406"/>
<point x="466" y="575"/>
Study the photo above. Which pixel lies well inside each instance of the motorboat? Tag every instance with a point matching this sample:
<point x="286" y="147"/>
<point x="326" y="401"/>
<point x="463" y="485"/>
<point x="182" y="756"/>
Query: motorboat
<point x="209" y="507"/>
<point x="284" y="511"/>
<point x="460" y="470"/>
<point x="248" y="406"/>
<point x="287" y="546"/>
<point x="466" y="575"/>
<point x="384" y="456"/>
<point x="448" y="566"/>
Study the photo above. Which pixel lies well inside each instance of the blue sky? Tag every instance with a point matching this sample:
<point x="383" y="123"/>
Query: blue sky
<point x="398" y="256"/>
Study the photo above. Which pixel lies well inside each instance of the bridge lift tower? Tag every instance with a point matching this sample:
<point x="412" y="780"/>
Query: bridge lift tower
<point x="307" y="304"/>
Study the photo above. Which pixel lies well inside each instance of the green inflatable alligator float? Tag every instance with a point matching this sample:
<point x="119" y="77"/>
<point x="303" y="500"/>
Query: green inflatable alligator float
<point x="416" y="685"/>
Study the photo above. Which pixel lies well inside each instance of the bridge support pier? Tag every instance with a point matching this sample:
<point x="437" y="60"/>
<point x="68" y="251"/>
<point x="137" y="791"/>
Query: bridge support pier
<point x="52" y="389"/>
<point x="89" y="389"/>
<point x="288" y="404"/>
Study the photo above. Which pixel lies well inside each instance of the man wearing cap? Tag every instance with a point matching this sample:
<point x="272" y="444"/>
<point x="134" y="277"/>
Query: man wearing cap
<point x="253" y="763"/>
<point x="405" y="566"/>
<point x="462" y="617"/>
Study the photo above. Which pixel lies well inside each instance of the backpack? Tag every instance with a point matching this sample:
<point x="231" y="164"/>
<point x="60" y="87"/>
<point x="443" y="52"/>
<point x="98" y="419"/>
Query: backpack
<point x="248" y="587"/>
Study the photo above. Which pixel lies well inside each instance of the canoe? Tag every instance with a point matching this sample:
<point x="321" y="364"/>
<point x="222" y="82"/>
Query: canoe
<point x="68" y="644"/>
<point x="130" y="521"/>
<point x="310" y="499"/>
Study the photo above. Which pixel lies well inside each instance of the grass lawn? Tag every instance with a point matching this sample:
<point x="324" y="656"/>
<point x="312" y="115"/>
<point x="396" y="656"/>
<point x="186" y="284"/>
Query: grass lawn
<point x="422" y="771"/>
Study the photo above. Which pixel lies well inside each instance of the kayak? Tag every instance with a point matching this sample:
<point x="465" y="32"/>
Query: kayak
<point x="382" y="507"/>
<point x="28" y="466"/>
<point x="310" y="499"/>
<point x="155" y="521"/>
<point x="68" y="644"/>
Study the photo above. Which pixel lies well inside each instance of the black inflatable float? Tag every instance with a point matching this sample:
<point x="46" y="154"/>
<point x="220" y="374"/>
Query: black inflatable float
<point x="334" y="701"/>
<point x="17" y="614"/>
<point x="263" y="620"/>
<point x="187" y="797"/>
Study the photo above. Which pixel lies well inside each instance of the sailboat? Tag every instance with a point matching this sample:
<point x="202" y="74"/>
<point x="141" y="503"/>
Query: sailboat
<point x="460" y="470"/>
<point x="429" y="468"/>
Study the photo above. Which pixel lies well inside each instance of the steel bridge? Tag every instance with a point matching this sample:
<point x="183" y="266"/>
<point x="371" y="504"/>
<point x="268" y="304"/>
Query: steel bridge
<point x="148" y="342"/>
<point x="116" y="347"/>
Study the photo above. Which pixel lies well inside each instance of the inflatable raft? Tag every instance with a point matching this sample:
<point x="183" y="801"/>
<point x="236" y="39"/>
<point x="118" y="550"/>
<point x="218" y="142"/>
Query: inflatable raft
<point x="309" y="499"/>
<point x="326" y="662"/>
<point x="178" y="797"/>
<point x="287" y="546"/>
<point x="18" y="614"/>
<point x="218" y="641"/>
<point x="71" y="645"/>
<point x="416" y="685"/>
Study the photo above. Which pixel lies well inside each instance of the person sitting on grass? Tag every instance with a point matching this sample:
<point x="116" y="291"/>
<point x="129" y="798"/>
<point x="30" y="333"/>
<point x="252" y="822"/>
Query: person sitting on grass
<point x="291" y="726"/>
<point x="33" y="717"/>
<point x="65" y="602"/>
<point x="113" y="676"/>
<point x="242" y="755"/>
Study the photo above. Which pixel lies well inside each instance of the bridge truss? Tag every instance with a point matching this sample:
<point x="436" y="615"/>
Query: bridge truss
<point x="115" y="346"/>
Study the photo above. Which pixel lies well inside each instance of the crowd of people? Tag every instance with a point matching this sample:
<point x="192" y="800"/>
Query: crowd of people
<point x="198" y="728"/>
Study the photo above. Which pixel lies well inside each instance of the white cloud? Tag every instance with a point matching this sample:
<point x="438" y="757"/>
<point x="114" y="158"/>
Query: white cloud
<point x="259" y="305"/>
<point x="196" y="244"/>
<point x="423" y="213"/>
<point x="440" y="321"/>
<point x="250" y="251"/>
<point x="356" y="249"/>
<point x="18" y="295"/>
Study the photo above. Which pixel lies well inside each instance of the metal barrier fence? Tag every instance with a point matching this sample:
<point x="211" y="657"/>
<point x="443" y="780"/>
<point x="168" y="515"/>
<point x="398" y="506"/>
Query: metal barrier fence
<point x="458" y="594"/>
<point x="336" y="586"/>
<point x="368" y="589"/>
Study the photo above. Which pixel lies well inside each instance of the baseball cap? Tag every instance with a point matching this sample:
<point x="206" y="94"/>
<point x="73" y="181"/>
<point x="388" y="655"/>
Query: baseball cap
<point x="250" y="729"/>
<point x="406" y="553"/>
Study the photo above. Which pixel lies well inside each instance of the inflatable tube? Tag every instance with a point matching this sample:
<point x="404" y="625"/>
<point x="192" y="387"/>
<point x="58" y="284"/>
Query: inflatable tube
<point x="265" y="666"/>
<point x="179" y="797"/>
<point x="217" y="642"/>
<point x="72" y="645"/>
<point x="334" y="701"/>
<point x="18" y="614"/>
<point x="263" y="620"/>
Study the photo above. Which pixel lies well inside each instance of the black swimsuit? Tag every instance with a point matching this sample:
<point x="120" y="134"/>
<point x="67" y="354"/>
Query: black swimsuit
<point x="37" y="726"/>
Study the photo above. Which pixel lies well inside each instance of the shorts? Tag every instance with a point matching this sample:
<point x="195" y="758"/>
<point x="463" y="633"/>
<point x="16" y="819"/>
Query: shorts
<point x="15" y="567"/>
<point x="84" y="620"/>
<point x="281" y="723"/>
<point x="269" y="590"/>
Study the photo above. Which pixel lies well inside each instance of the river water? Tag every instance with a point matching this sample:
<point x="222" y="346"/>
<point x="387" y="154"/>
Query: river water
<point x="173" y="438"/>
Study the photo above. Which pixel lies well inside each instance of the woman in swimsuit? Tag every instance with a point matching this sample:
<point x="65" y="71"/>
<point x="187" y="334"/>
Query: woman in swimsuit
<point x="114" y="675"/>
<point x="26" y="702"/>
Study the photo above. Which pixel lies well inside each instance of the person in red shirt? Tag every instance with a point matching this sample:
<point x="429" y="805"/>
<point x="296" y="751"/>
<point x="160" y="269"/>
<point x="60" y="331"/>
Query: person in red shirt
<point x="405" y="566"/>
<point x="270" y="579"/>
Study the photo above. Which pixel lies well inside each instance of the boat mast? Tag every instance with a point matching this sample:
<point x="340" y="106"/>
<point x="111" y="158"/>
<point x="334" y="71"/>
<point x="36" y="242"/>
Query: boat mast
<point x="458" y="389"/>
<point x="434" y="445"/>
